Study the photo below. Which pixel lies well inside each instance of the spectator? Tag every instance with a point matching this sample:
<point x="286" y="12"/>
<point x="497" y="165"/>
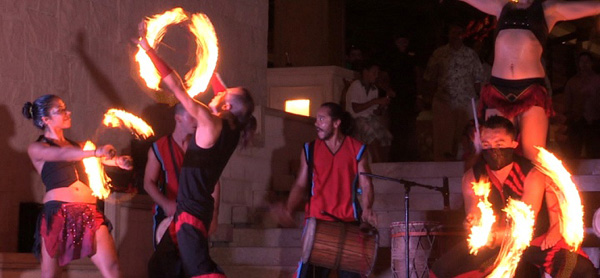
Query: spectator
<point x="365" y="105"/>
<point x="582" y="97"/>
<point x="454" y="74"/>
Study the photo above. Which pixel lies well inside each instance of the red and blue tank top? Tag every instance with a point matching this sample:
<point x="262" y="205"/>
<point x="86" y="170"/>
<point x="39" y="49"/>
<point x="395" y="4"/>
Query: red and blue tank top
<point x="334" y="180"/>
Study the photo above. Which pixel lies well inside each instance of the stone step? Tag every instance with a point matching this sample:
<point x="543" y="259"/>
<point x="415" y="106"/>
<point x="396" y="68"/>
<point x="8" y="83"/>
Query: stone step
<point x="455" y="169"/>
<point x="256" y="256"/>
<point x="266" y="237"/>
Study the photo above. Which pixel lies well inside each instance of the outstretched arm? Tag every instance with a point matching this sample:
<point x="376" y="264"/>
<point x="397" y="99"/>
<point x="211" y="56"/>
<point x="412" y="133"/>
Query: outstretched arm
<point x="491" y="7"/>
<point x="556" y="11"/>
<point x="209" y="125"/>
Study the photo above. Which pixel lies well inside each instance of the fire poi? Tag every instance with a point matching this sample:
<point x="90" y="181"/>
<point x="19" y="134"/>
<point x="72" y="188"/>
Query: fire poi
<point x="521" y="218"/>
<point x="207" y="50"/>
<point x="482" y="225"/>
<point x="116" y="118"/>
<point x="571" y="210"/>
<point x="99" y="181"/>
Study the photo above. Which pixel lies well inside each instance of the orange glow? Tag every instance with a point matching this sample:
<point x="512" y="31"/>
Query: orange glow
<point x="482" y="226"/>
<point x="521" y="219"/>
<point x="207" y="50"/>
<point x="298" y="106"/>
<point x="116" y="118"/>
<point x="99" y="181"/>
<point x="571" y="210"/>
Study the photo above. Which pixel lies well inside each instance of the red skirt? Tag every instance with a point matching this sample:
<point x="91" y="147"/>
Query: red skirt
<point x="512" y="105"/>
<point x="69" y="230"/>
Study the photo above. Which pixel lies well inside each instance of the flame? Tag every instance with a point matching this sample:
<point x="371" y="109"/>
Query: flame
<point x="115" y="118"/>
<point x="521" y="231"/>
<point x="482" y="226"/>
<point x="207" y="50"/>
<point x="571" y="210"/>
<point x="207" y="53"/>
<point x="156" y="27"/>
<point x="99" y="181"/>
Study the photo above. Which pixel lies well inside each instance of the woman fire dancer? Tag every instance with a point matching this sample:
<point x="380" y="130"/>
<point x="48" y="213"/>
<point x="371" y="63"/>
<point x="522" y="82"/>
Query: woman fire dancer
<point x="69" y="226"/>
<point x="517" y="89"/>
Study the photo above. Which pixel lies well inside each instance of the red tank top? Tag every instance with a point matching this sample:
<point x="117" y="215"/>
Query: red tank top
<point x="170" y="156"/>
<point x="334" y="181"/>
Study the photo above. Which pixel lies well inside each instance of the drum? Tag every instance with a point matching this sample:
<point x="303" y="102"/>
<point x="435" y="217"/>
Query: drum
<point x="422" y="237"/>
<point x="338" y="245"/>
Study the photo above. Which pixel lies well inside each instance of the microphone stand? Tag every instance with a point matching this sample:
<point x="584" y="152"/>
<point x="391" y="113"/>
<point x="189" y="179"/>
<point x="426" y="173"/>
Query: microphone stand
<point x="407" y="186"/>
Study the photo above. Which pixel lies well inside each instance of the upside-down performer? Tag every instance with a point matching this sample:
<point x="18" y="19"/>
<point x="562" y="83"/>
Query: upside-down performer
<point x="70" y="226"/>
<point x="219" y="127"/>
<point x="515" y="177"/>
<point x="517" y="88"/>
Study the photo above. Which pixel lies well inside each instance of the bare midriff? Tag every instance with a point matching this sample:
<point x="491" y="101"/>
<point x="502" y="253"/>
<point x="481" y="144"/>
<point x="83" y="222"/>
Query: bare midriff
<point x="77" y="192"/>
<point x="518" y="55"/>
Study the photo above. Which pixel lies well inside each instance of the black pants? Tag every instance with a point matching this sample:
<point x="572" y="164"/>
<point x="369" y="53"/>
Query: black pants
<point x="165" y="261"/>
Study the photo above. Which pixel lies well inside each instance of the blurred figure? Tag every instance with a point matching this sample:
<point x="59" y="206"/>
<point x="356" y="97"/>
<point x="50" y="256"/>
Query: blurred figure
<point x="582" y="110"/>
<point x="404" y="75"/>
<point x="354" y="58"/>
<point x="454" y="74"/>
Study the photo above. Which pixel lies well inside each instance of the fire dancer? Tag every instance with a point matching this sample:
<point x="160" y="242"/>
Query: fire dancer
<point x="511" y="176"/>
<point x="330" y="167"/>
<point x="69" y="226"/>
<point x="161" y="181"/>
<point x="517" y="87"/>
<point x="219" y="128"/>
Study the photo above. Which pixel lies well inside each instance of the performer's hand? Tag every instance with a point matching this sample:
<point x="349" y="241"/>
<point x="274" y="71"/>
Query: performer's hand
<point x="370" y="217"/>
<point x="141" y="40"/>
<point x="107" y="151"/>
<point x="124" y="162"/>
<point x="477" y="142"/>
<point x="282" y="215"/>
<point x="170" y="207"/>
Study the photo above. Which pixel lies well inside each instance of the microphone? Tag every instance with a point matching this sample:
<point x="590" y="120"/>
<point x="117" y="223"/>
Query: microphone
<point x="446" y="194"/>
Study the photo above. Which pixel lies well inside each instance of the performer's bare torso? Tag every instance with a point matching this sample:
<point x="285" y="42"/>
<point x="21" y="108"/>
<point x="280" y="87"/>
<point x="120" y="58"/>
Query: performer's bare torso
<point x="517" y="55"/>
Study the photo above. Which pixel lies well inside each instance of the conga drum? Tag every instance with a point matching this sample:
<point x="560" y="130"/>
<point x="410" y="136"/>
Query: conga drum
<point x="338" y="245"/>
<point x="422" y="237"/>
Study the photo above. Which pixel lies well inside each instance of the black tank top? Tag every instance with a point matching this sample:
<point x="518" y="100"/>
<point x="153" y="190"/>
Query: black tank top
<point x="57" y="174"/>
<point x="201" y="170"/>
<point x="532" y="18"/>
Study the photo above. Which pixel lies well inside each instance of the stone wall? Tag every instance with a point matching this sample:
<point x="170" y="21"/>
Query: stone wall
<point x="81" y="51"/>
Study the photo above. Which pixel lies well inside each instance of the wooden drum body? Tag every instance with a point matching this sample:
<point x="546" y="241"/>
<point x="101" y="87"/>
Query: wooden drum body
<point x="338" y="245"/>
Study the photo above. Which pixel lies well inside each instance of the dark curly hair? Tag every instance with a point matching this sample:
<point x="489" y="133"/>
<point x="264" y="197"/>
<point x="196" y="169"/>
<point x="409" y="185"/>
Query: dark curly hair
<point x="38" y="109"/>
<point x="336" y="112"/>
